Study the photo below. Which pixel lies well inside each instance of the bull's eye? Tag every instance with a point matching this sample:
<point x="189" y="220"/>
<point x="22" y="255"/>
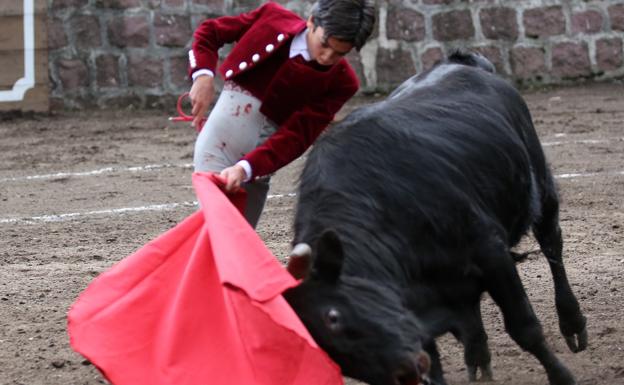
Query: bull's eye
<point x="332" y="319"/>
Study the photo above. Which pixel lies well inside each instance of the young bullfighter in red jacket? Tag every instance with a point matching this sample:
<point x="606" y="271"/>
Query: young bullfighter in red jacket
<point x="284" y="80"/>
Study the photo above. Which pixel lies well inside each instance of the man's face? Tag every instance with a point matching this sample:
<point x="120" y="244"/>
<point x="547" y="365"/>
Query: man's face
<point x="325" y="51"/>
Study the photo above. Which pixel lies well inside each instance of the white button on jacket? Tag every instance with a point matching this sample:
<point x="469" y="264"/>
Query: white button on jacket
<point x="256" y="57"/>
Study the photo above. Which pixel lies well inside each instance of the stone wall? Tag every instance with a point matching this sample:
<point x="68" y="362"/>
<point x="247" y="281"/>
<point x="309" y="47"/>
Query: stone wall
<point x="530" y="41"/>
<point x="117" y="53"/>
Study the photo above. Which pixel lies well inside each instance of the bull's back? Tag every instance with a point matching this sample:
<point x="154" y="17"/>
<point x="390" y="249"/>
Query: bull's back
<point x="456" y="145"/>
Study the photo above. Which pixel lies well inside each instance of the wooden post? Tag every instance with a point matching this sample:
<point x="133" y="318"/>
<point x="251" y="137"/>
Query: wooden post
<point x="24" y="56"/>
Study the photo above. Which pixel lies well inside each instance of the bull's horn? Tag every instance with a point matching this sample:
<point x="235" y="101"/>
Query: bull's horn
<point x="299" y="261"/>
<point x="301" y="249"/>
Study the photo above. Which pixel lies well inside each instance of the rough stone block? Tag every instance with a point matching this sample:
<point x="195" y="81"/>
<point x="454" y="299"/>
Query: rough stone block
<point x="493" y="54"/>
<point x="129" y="31"/>
<point x="405" y="24"/>
<point x="213" y="5"/>
<point x="528" y="62"/>
<point x="587" y="22"/>
<point x="178" y="72"/>
<point x="245" y="4"/>
<point x="616" y="14"/>
<point x="172" y="30"/>
<point x="86" y="31"/>
<point x="544" y="21"/>
<point x="107" y="67"/>
<point x="394" y="66"/>
<point x="57" y="38"/>
<point x="57" y="104"/>
<point x="73" y="73"/>
<point x="609" y="54"/>
<point x="431" y="57"/>
<point x="453" y="25"/>
<point x="60" y="4"/>
<point x="174" y="3"/>
<point x="499" y="23"/>
<point x="117" y="4"/>
<point x="144" y="71"/>
<point x="355" y="60"/>
<point x="438" y="1"/>
<point x="153" y="4"/>
<point x="571" y="60"/>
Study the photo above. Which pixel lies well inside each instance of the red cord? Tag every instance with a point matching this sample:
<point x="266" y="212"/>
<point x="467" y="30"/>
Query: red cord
<point x="182" y="116"/>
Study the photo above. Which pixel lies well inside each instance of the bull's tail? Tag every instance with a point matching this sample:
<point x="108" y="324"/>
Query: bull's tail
<point x="521" y="257"/>
<point x="472" y="59"/>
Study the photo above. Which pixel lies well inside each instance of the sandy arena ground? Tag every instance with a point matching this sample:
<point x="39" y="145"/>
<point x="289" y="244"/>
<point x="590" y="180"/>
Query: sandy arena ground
<point x="80" y="191"/>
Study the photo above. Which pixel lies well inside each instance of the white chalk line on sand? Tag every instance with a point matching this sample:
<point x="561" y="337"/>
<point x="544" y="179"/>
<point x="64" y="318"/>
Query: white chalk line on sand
<point x="123" y="210"/>
<point x="105" y="170"/>
<point x="152" y="167"/>
<point x="581" y="141"/>
<point x="173" y="206"/>
<point x="589" y="174"/>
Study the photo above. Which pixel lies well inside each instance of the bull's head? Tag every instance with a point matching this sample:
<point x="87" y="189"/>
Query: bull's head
<point x="361" y="324"/>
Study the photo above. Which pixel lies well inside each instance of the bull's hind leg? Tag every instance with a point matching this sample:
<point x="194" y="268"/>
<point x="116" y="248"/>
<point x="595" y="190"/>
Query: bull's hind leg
<point x="504" y="285"/>
<point x="548" y="234"/>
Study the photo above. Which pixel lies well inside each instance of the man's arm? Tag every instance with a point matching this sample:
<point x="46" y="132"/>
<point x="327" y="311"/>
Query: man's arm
<point x="211" y="35"/>
<point x="289" y="142"/>
<point x="298" y="133"/>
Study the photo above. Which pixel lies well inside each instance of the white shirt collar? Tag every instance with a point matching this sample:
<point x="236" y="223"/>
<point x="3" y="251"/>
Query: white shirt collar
<point x="299" y="46"/>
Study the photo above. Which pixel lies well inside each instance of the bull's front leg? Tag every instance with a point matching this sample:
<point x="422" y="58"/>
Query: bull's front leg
<point x="505" y="287"/>
<point x="572" y="323"/>
<point x="474" y="338"/>
<point x="436" y="375"/>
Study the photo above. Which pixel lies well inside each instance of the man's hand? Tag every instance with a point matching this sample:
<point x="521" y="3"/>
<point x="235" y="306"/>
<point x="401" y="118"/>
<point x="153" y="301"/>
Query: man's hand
<point x="233" y="176"/>
<point x="201" y="94"/>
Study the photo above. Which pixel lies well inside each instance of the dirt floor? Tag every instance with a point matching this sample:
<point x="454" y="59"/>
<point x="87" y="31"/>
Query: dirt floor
<point x="80" y="191"/>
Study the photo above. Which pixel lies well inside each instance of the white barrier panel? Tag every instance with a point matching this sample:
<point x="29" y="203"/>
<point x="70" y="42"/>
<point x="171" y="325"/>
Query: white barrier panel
<point x="28" y="81"/>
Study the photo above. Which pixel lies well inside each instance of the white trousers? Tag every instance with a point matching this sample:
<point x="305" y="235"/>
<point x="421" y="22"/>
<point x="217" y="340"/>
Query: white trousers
<point x="234" y="127"/>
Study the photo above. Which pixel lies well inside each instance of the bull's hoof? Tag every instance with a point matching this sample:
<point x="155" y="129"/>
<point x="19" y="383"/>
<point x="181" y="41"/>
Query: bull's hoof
<point x="562" y="377"/>
<point x="577" y="342"/>
<point x="486" y="373"/>
<point x="472" y="373"/>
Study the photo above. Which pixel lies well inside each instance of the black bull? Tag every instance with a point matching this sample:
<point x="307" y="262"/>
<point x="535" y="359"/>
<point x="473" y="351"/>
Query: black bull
<point x="411" y="206"/>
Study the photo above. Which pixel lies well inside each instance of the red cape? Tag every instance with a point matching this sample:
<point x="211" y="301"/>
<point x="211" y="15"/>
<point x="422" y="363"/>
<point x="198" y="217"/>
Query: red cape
<point x="200" y="304"/>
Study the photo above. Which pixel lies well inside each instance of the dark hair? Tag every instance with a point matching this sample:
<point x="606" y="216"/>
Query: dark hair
<point x="347" y="20"/>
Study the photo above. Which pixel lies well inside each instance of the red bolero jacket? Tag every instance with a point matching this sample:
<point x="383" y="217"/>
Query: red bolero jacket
<point x="300" y="99"/>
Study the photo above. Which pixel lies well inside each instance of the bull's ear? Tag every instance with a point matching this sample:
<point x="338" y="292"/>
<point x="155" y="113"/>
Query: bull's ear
<point x="299" y="260"/>
<point x="329" y="257"/>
